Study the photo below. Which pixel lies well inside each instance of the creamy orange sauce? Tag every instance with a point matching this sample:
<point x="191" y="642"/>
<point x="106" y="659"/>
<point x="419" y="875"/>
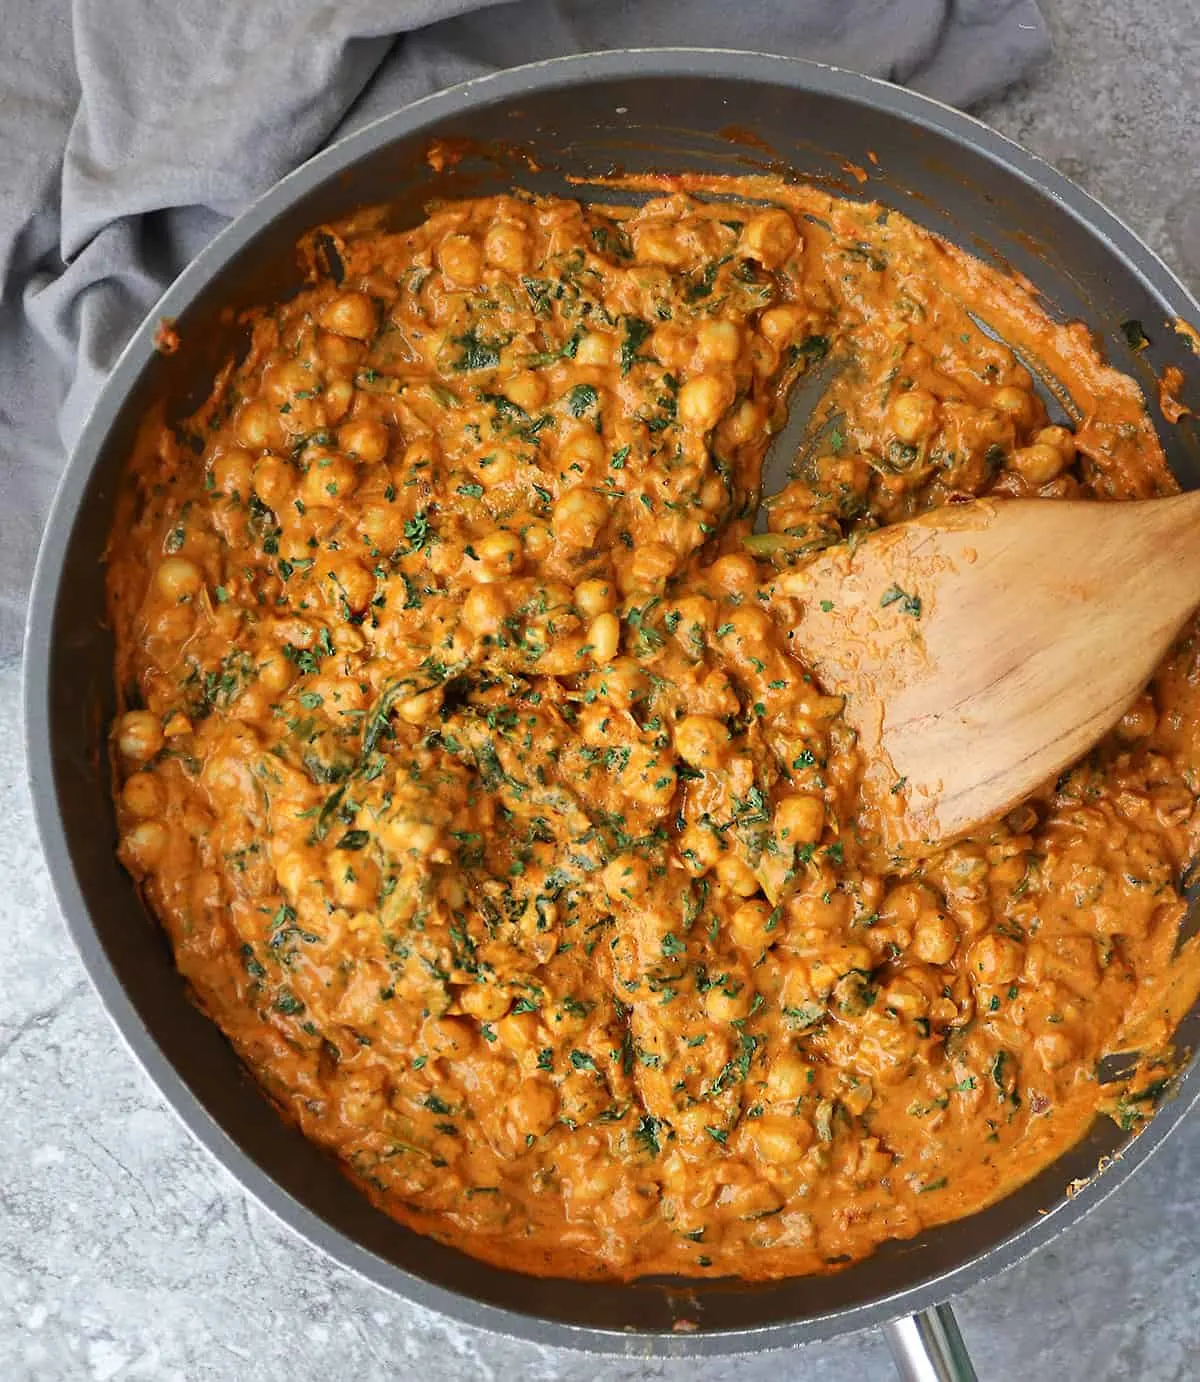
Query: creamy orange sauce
<point x="464" y="758"/>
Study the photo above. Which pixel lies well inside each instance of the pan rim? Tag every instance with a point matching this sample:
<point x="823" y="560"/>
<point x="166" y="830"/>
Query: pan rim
<point x="727" y="64"/>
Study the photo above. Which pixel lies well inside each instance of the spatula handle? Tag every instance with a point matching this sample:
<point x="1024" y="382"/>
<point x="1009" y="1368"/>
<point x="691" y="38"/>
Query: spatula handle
<point x="929" y="1348"/>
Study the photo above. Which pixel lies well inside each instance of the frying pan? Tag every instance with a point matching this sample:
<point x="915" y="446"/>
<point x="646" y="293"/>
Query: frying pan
<point x="671" y="110"/>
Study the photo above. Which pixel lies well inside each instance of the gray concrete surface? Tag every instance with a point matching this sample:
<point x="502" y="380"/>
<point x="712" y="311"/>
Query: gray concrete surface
<point x="126" y="1253"/>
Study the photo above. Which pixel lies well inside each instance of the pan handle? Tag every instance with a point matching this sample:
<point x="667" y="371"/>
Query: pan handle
<point x="928" y="1347"/>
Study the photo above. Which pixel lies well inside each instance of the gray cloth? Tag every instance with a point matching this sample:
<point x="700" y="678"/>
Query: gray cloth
<point x="130" y="132"/>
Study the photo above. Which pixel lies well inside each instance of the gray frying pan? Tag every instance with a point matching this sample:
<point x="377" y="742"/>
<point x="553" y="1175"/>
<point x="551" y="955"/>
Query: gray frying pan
<point x="675" y="110"/>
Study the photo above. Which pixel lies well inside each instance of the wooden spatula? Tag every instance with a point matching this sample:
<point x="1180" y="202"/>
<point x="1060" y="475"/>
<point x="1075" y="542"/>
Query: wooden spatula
<point x="985" y="646"/>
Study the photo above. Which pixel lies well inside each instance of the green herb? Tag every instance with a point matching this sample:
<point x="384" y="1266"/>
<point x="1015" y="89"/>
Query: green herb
<point x="288" y="1004"/>
<point x="810" y="350"/>
<point x="646" y="1134"/>
<point x="418" y="532"/>
<point x="476" y="353"/>
<point x="636" y="333"/>
<point x="539" y="291"/>
<point x="1135" y="334"/>
<point x="672" y="945"/>
<point x="471" y="491"/>
<point x="580" y="1060"/>
<point x="909" y="604"/>
<point x="826" y="606"/>
<point x="354" y="839"/>
<point x="581" y="399"/>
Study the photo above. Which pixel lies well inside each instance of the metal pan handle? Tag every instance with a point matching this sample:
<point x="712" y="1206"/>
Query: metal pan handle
<point x="928" y="1347"/>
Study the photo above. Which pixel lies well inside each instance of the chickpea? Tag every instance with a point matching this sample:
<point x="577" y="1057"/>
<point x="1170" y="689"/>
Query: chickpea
<point x="518" y="1031"/>
<point x="328" y="479"/>
<point x="996" y="959"/>
<point x="139" y="735"/>
<point x="652" y="566"/>
<point x="697" y="619"/>
<point x="336" y="399"/>
<point x="789" y="1076"/>
<point x="459" y="259"/>
<point x="579" y="517"/>
<point x="294" y="871"/>
<point x="1039" y="463"/>
<point x="1060" y="437"/>
<point x="354" y="581"/>
<point x="483" y="610"/>
<point x="744" y="424"/>
<point x="258" y="426"/>
<point x="404" y="836"/>
<point x="782" y="325"/>
<point x="420" y="709"/>
<point x="504" y="246"/>
<point x="594" y="597"/>
<point x="735" y="573"/>
<point x="748" y="925"/>
<point x="604" y="637"/>
<point x="1140" y="720"/>
<point x="502" y="552"/>
<point x="338" y="350"/>
<point x="538" y="541"/>
<point x="142" y="847"/>
<point x="1018" y="404"/>
<point x="736" y="876"/>
<point x="778" y="1140"/>
<point x="728" y="1004"/>
<point x="935" y="938"/>
<point x="349" y="314"/>
<point x="596" y="348"/>
<point x="1054" y="1049"/>
<point x="533" y="1108"/>
<point x="913" y="414"/>
<point x="142" y="795"/>
<point x="365" y="439"/>
<point x="273" y="482"/>
<point x="698" y="849"/>
<point x="421" y="454"/>
<point x="625" y="878"/>
<point x="231" y="472"/>
<point x="451" y="1038"/>
<point x="487" y="1002"/>
<point x="526" y="389"/>
<point x="582" y="1098"/>
<point x="580" y="453"/>
<point x="178" y="579"/>
<point x="656" y="242"/>
<point x="770" y="237"/>
<point x="702" y="741"/>
<point x="704" y="398"/>
<point x="355" y="880"/>
<point x="275" y="673"/>
<point x="799" y="819"/>
<point x="719" y="342"/>
<point x="282" y="382"/>
<point x="496" y="468"/>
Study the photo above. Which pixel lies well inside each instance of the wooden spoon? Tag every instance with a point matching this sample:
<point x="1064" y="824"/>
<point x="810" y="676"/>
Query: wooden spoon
<point x="985" y="646"/>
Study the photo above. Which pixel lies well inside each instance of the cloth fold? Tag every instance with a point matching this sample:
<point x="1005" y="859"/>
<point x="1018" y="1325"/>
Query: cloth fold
<point x="131" y="135"/>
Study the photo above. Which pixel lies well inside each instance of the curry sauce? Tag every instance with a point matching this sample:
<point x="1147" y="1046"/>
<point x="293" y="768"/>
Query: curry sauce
<point x="465" y="758"/>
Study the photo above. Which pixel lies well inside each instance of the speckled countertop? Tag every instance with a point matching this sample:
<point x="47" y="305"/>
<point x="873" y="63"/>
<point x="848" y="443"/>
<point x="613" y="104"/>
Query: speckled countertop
<point x="127" y="1253"/>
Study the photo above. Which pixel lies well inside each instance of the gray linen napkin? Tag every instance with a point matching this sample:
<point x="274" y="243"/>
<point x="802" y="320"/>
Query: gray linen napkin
<point x="130" y="133"/>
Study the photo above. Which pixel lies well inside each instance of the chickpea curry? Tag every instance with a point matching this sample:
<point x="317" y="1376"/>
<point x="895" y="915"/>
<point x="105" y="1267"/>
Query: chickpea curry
<point x="465" y="757"/>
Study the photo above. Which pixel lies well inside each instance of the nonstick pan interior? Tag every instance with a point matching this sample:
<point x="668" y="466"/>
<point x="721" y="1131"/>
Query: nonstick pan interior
<point x="664" y="111"/>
